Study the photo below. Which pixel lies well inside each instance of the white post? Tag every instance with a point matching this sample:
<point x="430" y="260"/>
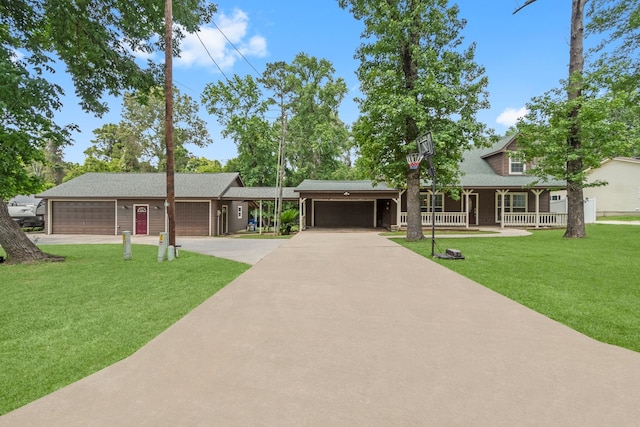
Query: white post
<point x="537" y="193"/>
<point x="260" y="224"/>
<point x="501" y="193"/>
<point x="399" y="208"/>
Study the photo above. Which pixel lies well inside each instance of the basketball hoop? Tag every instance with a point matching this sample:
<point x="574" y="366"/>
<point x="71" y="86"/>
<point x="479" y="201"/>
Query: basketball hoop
<point x="414" y="160"/>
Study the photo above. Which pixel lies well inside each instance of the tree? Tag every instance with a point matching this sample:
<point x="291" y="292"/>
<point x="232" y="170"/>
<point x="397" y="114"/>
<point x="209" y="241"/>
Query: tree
<point x="94" y="41"/>
<point x="571" y="129"/>
<point x="241" y="109"/>
<point x="317" y="139"/>
<point x="142" y="127"/>
<point x="416" y="77"/>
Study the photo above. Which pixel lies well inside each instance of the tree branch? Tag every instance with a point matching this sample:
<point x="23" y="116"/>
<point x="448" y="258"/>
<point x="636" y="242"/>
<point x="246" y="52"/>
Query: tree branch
<point x="526" y="3"/>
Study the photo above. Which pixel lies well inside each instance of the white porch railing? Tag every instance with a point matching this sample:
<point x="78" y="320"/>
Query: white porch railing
<point x="531" y="219"/>
<point x="443" y="219"/>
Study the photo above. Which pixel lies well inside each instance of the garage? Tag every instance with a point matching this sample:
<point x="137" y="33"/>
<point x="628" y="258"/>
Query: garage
<point x="192" y="218"/>
<point x="347" y="204"/>
<point x="83" y="217"/>
<point x="343" y="213"/>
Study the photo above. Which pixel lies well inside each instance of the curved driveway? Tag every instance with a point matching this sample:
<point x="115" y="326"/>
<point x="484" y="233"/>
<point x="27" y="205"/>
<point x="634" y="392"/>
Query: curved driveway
<point x="351" y="329"/>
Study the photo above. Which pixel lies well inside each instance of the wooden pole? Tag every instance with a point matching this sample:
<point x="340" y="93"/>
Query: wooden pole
<point x="168" y="119"/>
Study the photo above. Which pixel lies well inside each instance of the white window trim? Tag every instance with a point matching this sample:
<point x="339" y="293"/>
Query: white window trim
<point x="509" y="196"/>
<point x="519" y="162"/>
<point x="240" y="212"/>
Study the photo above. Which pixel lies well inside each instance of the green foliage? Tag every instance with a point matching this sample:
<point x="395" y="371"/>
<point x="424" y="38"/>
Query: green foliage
<point x="317" y="140"/>
<point x="288" y="219"/>
<point x="317" y="143"/>
<point x="587" y="284"/>
<point x="618" y="22"/>
<point x="64" y="321"/>
<point x="94" y="41"/>
<point x="241" y="109"/>
<point x="137" y="143"/>
<point x="604" y="120"/>
<point x="416" y="77"/>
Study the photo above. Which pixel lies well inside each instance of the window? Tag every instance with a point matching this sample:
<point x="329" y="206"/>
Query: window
<point x="556" y="197"/>
<point x="425" y="206"/>
<point x="513" y="202"/>
<point x="516" y="167"/>
<point x="239" y="212"/>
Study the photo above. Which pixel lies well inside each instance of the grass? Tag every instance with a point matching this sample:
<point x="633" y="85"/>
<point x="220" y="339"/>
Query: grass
<point x="619" y="218"/>
<point x="60" y="322"/>
<point x="591" y="285"/>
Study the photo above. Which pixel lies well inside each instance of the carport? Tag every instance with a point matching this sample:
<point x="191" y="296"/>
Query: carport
<point x="339" y="204"/>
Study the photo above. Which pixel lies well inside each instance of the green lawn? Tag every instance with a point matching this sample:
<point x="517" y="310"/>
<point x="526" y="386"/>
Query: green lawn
<point x="619" y="218"/>
<point x="60" y="322"/>
<point x="592" y="284"/>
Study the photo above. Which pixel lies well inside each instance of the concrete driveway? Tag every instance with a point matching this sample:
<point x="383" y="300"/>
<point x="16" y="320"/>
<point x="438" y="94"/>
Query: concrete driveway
<point x="351" y="329"/>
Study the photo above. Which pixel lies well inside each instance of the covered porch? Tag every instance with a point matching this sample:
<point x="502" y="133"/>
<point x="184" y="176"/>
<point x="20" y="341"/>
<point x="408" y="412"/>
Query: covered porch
<point x="482" y="207"/>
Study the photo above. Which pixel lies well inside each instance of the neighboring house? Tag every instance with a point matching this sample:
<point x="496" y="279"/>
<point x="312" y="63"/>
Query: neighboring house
<point x="495" y="190"/>
<point x="621" y="195"/>
<point x="110" y="203"/>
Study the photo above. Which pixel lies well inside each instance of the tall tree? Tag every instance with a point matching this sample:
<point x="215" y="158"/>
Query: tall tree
<point x="241" y="109"/>
<point x="317" y="139"/>
<point x="572" y="129"/>
<point x="94" y="41"/>
<point x="416" y="77"/>
<point x="143" y="122"/>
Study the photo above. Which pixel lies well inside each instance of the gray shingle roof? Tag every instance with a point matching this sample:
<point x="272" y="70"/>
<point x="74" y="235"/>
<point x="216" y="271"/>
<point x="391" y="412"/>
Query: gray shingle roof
<point x="476" y="171"/>
<point x="325" y="185"/>
<point x="259" y="193"/>
<point x="138" y="185"/>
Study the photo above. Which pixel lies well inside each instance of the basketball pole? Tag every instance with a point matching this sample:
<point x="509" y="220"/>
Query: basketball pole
<point x="432" y="173"/>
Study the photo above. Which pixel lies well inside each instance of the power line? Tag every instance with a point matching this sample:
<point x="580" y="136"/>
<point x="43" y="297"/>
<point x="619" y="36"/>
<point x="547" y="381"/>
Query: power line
<point x="237" y="50"/>
<point x="214" y="61"/>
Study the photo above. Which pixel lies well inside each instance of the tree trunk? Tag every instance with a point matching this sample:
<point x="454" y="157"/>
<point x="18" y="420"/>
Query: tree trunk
<point x="17" y="246"/>
<point x="414" y="216"/>
<point x="575" y="205"/>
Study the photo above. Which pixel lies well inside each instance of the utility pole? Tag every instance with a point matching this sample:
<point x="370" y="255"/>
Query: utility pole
<point x="168" y="119"/>
<point x="281" y="164"/>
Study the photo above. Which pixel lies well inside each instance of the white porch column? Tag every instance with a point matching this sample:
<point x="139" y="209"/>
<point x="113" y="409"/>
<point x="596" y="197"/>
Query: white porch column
<point x="537" y="193"/>
<point x="399" y="208"/>
<point x="501" y="193"/>
<point x="466" y="194"/>
<point x="313" y="212"/>
<point x="260" y="223"/>
<point x="303" y="213"/>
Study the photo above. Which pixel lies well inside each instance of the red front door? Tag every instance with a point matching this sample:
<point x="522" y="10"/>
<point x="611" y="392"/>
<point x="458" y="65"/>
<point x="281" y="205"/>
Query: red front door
<point x="142" y="219"/>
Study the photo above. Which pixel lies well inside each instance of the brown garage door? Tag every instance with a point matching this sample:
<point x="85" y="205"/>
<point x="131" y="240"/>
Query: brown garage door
<point x="343" y="214"/>
<point x="83" y="217"/>
<point x="192" y="218"/>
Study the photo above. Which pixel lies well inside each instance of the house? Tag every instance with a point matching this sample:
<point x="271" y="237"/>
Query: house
<point x="495" y="191"/>
<point x="621" y="195"/>
<point x="110" y="203"/>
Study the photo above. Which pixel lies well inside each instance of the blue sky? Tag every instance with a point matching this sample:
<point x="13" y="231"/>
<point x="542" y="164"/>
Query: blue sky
<point x="524" y="56"/>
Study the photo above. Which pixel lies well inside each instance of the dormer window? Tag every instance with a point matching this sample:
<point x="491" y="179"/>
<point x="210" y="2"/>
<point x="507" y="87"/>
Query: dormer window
<point x="516" y="167"/>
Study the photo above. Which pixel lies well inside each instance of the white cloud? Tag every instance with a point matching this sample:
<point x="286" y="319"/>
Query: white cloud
<point x="194" y="54"/>
<point x="510" y="116"/>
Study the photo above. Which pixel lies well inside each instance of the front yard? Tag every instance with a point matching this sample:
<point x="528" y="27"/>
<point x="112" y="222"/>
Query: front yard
<point x="591" y="285"/>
